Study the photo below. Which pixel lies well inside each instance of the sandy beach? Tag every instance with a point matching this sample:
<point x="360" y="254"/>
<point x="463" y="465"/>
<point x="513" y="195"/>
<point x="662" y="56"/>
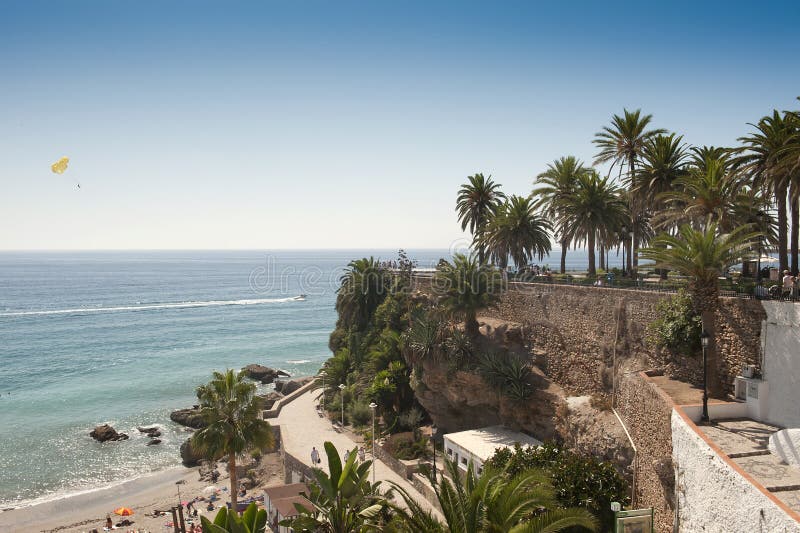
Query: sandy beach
<point x="84" y="512"/>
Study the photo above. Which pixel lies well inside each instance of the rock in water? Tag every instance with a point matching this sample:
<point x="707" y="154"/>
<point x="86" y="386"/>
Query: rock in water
<point x="268" y="400"/>
<point x="152" y="432"/>
<point x="105" y="433"/>
<point x="153" y="442"/>
<point x="294" y="384"/>
<point x="262" y="373"/>
<point x="192" y="418"/>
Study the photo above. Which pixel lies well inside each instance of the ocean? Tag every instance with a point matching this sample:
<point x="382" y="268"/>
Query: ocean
<point x="126" y="337"/>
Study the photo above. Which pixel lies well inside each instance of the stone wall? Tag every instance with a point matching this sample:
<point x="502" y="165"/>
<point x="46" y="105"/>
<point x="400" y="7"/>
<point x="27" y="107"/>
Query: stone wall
<point x="646" y="413"/>
<point x="573" y="329"/>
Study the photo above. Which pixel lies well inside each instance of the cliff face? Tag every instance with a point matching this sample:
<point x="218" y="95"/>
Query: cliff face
<point x="461" y="400"/>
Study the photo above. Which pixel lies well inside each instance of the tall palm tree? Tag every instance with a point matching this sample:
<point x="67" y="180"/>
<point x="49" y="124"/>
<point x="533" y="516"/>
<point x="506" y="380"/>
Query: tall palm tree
<point x="710" y="192"/>
<point x="703" y="255"/>
<point x="493" y="502"/>
<point x="595" y="209"/>
<point x="761" y="158"/>
<point x="664" y="160"/>
<point x="466" y="286"/>
<point x="343" y="501"/>
<point x="622" y="144"/>
<point x="557" y="182"/>
<point x="516" y="231"/>
<point x="364" y="286"/>
<point x="477" y="201"/>
<point x="232" y="412"/>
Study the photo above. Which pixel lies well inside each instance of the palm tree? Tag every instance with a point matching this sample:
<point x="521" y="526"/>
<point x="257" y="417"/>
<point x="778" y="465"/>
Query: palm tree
<point x="622" y="144"/>
<point x="595" y="209"/>
<point x="363" y="287"/>
<point x="232" y="412"/>
<point x="703" y="255"/>
<point x="493" y="502"/>
<point x="664" y="160"/>
<point x="555" y="183"/>
<point x="466" y="286"/>
<point x="709" y="192"/>
<point x="343" y="501"/>
<point x="762" y="160"/>
<point x="516" y="231"/>
<point x="477" y="201"/>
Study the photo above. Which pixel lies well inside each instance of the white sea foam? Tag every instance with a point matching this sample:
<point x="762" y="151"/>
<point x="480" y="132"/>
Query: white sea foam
<point x="298" y="361"/>
<point x="150" y="307"/>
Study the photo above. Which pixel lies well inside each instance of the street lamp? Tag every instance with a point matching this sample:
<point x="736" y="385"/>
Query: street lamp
<point x="372" y="406"/>
<point x="323" y="374"/>
<point x="630" y="255"/>
<point x="341" y="388"/>
<point x="704" y="337"/>
<point x="434" y="429"/>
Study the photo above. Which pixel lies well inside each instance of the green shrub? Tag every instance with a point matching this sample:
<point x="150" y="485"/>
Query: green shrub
<point x="407" y="450"/>
<point x="359" y="413"/>
<point x="579" y="481"/>
<point x="677" y="327"/>
<point x="506" y="374"/>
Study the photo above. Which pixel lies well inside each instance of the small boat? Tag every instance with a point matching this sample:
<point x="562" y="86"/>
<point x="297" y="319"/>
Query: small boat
<point x="300" y="298"/>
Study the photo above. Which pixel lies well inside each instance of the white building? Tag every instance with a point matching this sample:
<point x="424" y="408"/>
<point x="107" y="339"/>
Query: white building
<point x="478" y="445"/>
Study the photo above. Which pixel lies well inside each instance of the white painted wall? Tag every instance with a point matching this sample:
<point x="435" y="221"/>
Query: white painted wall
<point x="713" y="497"/>
<point x="781" y="365"/>
<point x="460" y="453"/>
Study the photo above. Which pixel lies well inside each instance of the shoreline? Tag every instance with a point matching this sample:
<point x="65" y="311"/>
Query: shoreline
<point x="87" y="510"/>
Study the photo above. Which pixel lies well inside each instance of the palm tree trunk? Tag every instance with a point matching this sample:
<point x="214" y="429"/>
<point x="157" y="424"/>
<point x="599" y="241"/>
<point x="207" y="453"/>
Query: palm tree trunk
<point x="634" y="217"/>
<point x="629" y="261"/>
<point x="602" y="257"/>
<point x="564" y="244"/>
<point x="590" y="239"/>
<point x="794" y="239"/>
<point x="783" y="256"/>
<point x="232" y="473"/>
<point x="712" y="361"/>
<point x="471" y="326"/>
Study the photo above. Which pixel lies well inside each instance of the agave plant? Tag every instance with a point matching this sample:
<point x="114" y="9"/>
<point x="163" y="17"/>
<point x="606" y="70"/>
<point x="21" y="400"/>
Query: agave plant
<point x="253" y="520"/>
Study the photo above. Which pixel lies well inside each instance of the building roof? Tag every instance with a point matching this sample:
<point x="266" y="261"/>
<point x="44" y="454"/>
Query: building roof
<point x="286" y="508"/>
<point x="483" y="442"/>
<point x="278" y="492"/>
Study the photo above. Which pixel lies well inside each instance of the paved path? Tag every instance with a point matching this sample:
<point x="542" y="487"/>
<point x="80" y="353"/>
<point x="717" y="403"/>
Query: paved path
<point x="302" y="428"/>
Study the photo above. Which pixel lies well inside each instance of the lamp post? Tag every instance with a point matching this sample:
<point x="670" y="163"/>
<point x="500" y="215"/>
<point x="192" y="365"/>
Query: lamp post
<point x="323" y="374"/>
<point x="341" y="388"/>
<point x="624" y="232"/>
<point x="372" y="406"/>
<point x="630" y="255"/>
<point x="433" y="442"/>
<point x="704" y="337"/>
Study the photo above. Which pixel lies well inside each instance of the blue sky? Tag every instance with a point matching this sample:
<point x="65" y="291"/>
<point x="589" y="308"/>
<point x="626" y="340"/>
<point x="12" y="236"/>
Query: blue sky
<point x="344" y="124"/>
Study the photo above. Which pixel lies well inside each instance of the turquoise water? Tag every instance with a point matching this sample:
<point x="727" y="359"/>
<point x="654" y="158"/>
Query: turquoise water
<point x="124" y="338"/>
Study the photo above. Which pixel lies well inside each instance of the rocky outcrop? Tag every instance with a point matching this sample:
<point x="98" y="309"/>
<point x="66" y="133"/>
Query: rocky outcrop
<point x="153" y="442"/>
<point x="268" y="400"/>
<point x="458" y="400"/>
<point x="190" y="456"/>
<point x="192" y="418"/>
<point x="104" y="433"/>
<point x="292" y="385"/>
<point x="262" y="373"/>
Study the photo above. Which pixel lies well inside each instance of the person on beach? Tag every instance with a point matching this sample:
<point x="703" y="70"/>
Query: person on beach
<point x="109" y="523"/>
<point x="314" y="456"/>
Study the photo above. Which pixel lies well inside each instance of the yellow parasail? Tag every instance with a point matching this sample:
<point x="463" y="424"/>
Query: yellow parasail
<point x="60" y="166"/>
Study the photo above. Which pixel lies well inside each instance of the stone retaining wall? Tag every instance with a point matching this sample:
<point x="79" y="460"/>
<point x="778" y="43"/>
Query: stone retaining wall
<point x="276" y="408"/>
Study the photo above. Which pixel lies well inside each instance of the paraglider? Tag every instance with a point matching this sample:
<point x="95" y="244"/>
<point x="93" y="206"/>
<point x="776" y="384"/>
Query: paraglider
<point x="60" y="166"/>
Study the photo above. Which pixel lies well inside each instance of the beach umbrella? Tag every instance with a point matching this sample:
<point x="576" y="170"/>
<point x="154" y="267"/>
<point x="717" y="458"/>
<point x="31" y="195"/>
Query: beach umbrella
<point x="124" y="511"/>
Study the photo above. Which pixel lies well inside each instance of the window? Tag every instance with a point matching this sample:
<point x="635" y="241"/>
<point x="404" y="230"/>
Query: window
<point x="449" y="451"/>
<point x="463" y="460"/>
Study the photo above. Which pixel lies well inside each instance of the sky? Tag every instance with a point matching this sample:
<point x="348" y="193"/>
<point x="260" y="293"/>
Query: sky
<point x="308" y="124"/>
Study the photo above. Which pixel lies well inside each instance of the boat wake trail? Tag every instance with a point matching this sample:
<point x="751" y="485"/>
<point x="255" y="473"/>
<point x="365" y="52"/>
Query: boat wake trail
<point x="151" y="307"/>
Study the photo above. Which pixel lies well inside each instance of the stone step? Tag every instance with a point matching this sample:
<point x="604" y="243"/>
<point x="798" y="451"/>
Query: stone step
<point x="790" y="498"/>
<point x="770" y="472"/>
<point x="735" y="441"/>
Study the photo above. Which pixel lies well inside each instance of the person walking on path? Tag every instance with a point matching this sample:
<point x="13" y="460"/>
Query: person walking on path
<point x="361" y="455"/>
<point x="314" y="456"/>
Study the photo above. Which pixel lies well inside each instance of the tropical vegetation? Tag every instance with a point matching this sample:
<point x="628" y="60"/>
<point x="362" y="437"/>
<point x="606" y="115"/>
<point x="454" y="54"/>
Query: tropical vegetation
<point x="232" y="413"/>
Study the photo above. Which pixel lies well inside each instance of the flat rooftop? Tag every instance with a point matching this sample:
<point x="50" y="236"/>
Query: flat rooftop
<point x="484" y="441"/>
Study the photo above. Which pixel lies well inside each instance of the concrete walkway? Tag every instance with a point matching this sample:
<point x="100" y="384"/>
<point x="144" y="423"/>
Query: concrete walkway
<point x="302" y="428"/>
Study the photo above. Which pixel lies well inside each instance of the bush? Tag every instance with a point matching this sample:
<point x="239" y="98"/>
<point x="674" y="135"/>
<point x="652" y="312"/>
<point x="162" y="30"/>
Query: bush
<point x="579" y="481"/>
<point x="359" y="413"/>
<point x="678" y="327"/>
<point x="506" y="374"/>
